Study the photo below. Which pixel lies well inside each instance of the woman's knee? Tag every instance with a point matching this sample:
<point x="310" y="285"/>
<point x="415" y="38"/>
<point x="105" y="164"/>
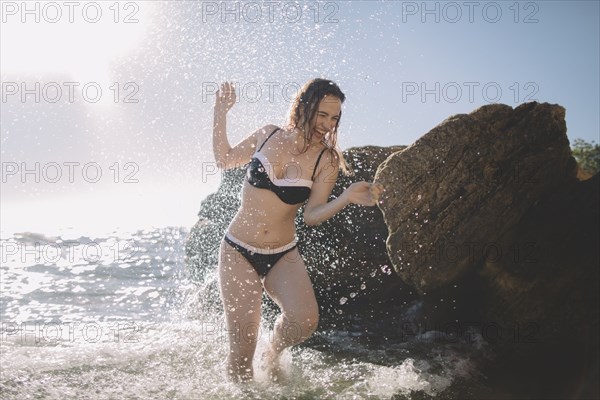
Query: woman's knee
<point x="305" y="320"/>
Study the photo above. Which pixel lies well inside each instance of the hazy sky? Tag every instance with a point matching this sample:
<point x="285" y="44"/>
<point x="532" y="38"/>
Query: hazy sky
<point x="140" y="153"/>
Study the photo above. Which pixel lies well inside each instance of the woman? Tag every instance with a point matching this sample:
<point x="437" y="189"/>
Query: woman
<point x="292" y="166"/>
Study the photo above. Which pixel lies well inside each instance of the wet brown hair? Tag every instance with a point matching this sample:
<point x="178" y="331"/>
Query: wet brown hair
<point x="303" y="111"/>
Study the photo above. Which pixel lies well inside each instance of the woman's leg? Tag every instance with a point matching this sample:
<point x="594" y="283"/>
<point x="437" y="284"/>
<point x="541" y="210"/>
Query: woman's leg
<point x="289" y="285"/>
<point x="241" y="292"/>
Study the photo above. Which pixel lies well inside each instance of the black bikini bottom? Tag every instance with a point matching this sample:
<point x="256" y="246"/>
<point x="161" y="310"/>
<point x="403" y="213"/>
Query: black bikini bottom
<point x="262" y="260"/>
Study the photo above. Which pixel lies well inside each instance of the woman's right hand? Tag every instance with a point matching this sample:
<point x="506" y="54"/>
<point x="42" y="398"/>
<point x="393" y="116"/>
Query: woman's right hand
<point x="225" y="98"/>
<point x="363" y="193"/>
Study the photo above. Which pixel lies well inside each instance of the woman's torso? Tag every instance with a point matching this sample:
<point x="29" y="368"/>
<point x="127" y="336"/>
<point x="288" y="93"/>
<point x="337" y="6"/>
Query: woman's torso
<point x="264" y="219"/>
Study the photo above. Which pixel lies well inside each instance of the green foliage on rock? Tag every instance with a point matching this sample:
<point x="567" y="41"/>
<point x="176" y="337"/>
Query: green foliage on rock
<point x="587" y="155"/>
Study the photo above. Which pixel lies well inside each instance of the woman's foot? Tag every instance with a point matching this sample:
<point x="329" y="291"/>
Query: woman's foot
<point x="237" y="373"/>
<point x="270" y="363"/>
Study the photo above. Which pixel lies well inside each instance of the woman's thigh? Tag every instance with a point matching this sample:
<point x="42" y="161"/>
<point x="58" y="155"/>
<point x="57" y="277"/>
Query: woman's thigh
<point x="241" y="292"/>
<point x="289" y="285"/>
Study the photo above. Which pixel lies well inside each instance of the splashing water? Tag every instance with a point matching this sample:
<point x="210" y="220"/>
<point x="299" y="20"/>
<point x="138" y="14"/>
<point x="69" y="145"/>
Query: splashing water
<point x="131" y="324"/>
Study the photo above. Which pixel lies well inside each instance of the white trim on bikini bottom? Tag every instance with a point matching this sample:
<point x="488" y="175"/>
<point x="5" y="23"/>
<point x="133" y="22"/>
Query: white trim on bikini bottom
<point x="261" y="250"/>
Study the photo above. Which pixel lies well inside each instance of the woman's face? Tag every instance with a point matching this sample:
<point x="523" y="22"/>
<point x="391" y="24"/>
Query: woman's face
<point x="326" y="117"/>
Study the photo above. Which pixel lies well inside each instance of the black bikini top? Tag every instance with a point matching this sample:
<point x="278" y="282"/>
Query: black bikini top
<point x="290" y="191"/>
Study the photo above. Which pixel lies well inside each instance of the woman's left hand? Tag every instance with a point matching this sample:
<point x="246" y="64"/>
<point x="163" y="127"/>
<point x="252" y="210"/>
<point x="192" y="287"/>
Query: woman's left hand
<point x="364" y="193"/>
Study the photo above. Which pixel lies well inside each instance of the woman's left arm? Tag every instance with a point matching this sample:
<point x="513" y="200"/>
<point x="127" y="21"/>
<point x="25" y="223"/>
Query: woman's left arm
<point x="318" y="209"/>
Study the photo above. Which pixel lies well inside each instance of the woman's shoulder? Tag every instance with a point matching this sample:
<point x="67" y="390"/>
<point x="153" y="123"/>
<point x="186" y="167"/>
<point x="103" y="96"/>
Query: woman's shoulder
<point x="328" y="157"/>
<point x="265" y="131"/>
<point x="331" y="155"/>
<point x="270" y="128"/>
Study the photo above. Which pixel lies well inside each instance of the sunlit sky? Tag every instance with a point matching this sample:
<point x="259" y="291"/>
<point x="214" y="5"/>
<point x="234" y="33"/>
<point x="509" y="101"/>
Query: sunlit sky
<point x="404" y="66"/>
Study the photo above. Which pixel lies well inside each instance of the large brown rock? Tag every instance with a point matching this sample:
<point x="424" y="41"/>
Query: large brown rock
<point x="542" y="289"/>
<point x="488" y="220"/>
<point x="459" y="187"/>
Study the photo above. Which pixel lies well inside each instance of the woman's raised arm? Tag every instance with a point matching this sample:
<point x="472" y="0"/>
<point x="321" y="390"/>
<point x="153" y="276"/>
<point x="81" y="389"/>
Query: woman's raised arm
<point x="226" y="156"/>
<point x="225" y="99"/>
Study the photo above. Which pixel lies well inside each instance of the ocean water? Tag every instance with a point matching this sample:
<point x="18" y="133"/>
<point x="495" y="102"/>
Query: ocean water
<point x="116" y="316"/>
